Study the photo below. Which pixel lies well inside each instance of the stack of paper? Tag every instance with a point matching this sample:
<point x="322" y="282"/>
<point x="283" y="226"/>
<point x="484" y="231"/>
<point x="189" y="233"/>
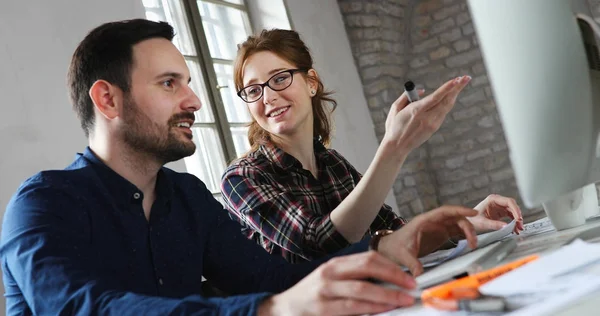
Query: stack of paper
<point x="462" y="247"/>
<point x="550" y="282"/>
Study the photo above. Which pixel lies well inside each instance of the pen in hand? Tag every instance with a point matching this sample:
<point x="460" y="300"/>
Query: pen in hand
<point x="411" y="92"/>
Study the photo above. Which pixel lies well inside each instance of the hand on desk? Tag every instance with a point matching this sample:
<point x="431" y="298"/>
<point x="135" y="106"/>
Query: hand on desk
<point x="426" y="233"/>
<point x="494" y="208"/>
<point x="339" y="287"/>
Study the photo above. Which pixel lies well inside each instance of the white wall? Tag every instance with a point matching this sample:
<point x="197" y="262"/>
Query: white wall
<point x="38" y="129"/>
<point x="320" y="25"/>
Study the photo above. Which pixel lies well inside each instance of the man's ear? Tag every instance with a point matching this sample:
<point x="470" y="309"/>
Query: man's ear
<point x="107" y="98"/>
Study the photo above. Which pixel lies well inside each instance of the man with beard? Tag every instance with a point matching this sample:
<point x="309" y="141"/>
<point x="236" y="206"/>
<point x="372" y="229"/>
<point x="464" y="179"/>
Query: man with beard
<point x="117" y="233"/>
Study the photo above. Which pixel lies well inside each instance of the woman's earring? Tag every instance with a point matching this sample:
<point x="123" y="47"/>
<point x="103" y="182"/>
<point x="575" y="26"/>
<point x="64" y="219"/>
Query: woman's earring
<point x="312" y="92"/>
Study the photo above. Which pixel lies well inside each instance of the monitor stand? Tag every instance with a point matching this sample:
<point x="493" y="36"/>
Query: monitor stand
<point x="571" y="209"/>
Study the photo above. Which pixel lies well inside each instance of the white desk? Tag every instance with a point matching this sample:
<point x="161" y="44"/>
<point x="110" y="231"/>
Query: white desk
<point x="526" y="245"/>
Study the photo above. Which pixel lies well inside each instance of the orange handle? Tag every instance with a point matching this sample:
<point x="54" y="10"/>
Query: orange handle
<point x="467" y="286"/>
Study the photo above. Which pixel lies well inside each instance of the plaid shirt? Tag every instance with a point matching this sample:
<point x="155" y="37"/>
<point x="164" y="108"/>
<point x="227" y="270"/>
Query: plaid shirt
<point x="285" y="209"/>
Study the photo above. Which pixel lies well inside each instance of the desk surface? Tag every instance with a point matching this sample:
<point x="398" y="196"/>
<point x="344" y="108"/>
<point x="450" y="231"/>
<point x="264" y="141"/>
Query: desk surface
<point x="538" y="243"/>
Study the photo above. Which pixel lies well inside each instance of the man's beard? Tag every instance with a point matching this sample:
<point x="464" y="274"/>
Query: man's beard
<point x="160" y="142"/>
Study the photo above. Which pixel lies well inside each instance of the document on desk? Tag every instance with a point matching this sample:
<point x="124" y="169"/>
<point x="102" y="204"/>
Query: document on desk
<point x="568" y="259"/>
<point x="551" y="282"/>
<point x="462" y="247"/>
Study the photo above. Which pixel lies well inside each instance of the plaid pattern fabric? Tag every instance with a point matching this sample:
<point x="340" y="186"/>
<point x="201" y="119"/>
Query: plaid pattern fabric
<point x="285" y="209"/>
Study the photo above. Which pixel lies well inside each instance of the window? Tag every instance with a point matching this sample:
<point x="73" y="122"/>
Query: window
<point x="207" y="34"/>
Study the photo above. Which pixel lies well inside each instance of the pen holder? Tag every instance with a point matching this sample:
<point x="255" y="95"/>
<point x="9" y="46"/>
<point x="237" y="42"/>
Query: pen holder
<point x="571" y="209"/>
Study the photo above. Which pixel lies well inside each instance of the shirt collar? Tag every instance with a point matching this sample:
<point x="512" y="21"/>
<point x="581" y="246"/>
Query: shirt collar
<point x="120" y="188"/>
<point x="285" y="160"/>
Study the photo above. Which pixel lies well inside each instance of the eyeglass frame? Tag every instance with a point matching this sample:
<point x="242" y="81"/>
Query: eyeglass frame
<point x="266" y="84"/>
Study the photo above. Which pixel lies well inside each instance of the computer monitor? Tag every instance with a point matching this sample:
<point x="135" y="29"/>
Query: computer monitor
<point x="544" y="68"/>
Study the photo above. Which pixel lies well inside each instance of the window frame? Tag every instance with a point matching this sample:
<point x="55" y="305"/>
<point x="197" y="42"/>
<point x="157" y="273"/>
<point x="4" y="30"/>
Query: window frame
<point x="206" y="63"/>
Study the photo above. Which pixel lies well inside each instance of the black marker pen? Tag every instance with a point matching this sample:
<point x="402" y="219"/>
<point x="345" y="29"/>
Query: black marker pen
<point x="411" y="92"/>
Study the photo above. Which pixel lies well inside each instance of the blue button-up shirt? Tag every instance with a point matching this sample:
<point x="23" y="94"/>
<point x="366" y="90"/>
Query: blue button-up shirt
<point x="76" y="241"/>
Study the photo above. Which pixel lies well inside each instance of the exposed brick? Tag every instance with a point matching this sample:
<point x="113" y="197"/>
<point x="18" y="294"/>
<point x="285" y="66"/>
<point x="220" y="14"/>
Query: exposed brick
<point x="426" y="45"/>
<point x="468" y="157"/>
<point x="472" y="98"/>
<point x="466" y="113"/>
<point x="468" y="29"/>
<point x="436" y="139"/>
<point x="479" y="154"/>
<point x="463" y="18"/>
<point x="450" y="36"/>
<point x="486" y="137"/>
<point x="366" y="21"/>
<point x="414" y="165"/>
<point x="350" y="6"/>
<point x="441" y="26"/>
<point x="456" y="175"/>
<point x="463" y="59"/>
<point x="419" y="62"/>
<point x="486" y="121"/>
<point x="417" y="206"/>
<point x="378" y="116"/>
<point x="504" y="174"/>
<point x="455" y="188"/>
<point x="366" y="47"/>
<point x="427" y="6"/>
<point x="374" y="102"/>
<point x="499" y="147"/>
<point x="376" y="86"/>
<point x="409" y="181"/>
<point x="430" y="202"/>
<point x="431" y="69"/>
<point x="446" y="12"/>
<point x="407" y="195"/>
<point x="481" y="181"/>
<point x="495" y="161"/>
<point x="372" y="72"/>
<point x="427" y="188"/>
<point x="478" y="68"/>
<point x="439" y="53"/>
<point x="473" y="198"/>
<point x="369" y="60"/>
<point x="372" y="33"/>
<point x="479" y="80"/>
<point x="455" y="162"/>
<point x="462" y="45"/>
<point x="423" y="21"/>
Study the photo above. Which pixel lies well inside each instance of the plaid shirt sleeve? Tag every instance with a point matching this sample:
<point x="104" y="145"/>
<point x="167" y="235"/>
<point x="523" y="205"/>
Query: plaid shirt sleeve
<point x="386" y="218"/>
<point x="277" y="215"/>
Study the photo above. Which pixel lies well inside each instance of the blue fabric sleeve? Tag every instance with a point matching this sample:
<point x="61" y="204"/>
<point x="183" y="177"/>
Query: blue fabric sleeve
<point x="47" y="259"/>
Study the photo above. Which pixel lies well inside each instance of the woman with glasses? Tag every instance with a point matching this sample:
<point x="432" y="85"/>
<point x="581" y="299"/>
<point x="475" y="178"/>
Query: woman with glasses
<point x="293" y="195"/>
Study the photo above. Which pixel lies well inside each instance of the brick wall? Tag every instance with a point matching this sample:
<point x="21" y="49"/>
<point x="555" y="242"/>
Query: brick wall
<point x="429" y="42"/>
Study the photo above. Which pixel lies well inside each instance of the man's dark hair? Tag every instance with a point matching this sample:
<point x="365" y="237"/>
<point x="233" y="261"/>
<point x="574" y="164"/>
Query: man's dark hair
<point x="106" y="53"/>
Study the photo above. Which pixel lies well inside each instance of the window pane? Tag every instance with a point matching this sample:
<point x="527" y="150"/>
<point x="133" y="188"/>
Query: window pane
<point x="151" y="3"/>
<point x="205" y="114"/>
<point x="240" y="140"/>
<point x="173" y="13"/>
<point x="207" y="163"/>
<point x="241" y="2"/>
<point x="236" y="109"/>
<point x="225" y="27"/>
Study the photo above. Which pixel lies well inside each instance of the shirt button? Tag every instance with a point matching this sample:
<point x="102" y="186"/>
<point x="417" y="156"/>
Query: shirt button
<point x="136" y="196"/>
<point x="160" y="281"/>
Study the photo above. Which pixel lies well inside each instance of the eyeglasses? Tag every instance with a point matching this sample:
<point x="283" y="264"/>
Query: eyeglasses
<point x="278" y="82"/>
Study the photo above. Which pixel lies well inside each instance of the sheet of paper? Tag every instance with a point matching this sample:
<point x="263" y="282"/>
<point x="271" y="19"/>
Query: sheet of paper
<point x="540" y="226"/>
<point x="530" y="277"/>
<point x="554" y="295"/>
<point x="462" y="247"/>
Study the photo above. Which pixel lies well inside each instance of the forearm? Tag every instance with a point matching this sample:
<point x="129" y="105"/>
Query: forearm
<point x="357" y="211"/>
